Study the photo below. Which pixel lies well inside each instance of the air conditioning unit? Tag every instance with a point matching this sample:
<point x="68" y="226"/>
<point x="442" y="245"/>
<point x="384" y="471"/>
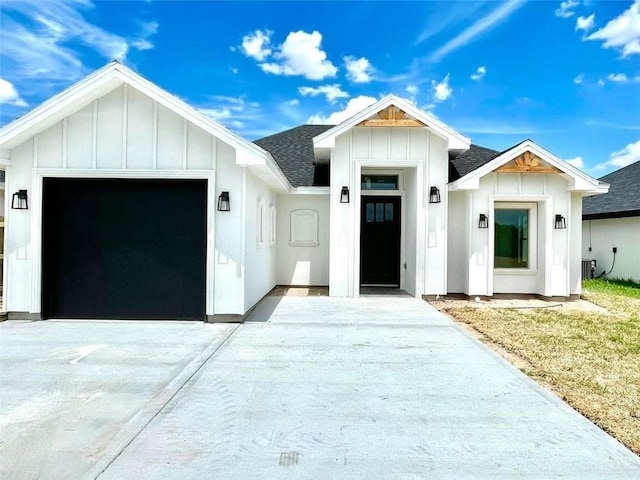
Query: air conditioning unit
<point x="588" y="269"/>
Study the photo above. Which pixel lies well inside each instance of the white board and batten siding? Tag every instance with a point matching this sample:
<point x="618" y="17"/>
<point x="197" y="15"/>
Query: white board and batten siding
<point x="471" y="268"/>
<point x="124" y="130"/>
<point x="125" y="134"/>
<point x="422" y="158"/>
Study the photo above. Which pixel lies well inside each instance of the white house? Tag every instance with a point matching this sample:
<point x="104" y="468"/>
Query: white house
<point x="612" y="221"/>
<point x="125" y="202"/>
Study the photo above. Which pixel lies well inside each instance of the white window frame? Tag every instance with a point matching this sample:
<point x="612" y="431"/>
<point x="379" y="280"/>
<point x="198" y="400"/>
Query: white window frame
<point x="533" y="237"/>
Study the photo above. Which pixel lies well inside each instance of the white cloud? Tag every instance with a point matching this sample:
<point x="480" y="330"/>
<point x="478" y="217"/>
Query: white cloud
<point x="354" y="106"/>
<point x="579" y="79"/>
<point x="234" y="70"/>
<point x="485" y="23"/>
<point x="566" y="7"/>
<point x="233" y="112"/>
<point x="601" y="82"/>
<point x="300" y="54"/>
<point x="294" y="102"/>
<point x="331" y="92"/>
<point x="37" y="38"/>
<point x="623" y="32"/>
<point x="412" y="89"/>
<point x="618" y="77"/>
<point x="576" y="162"/>
<point x="257" y="44"/>
<point x="9" y="94"/>
<point x="585" y="23"/>
<point x="628" y="155"/>
<point x="359" y="70"/>
<point x="481" y="72"/>
<point x="442" y="90"/>
<point x="142" y="42"/>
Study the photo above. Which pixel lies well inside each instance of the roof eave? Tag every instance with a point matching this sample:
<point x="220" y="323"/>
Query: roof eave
<point x="579" y="181"/>
<point x="456" y="141"/>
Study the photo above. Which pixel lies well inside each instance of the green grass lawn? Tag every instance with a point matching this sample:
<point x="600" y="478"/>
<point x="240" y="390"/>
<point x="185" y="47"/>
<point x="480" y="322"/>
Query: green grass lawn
<point x="626" y="288"/>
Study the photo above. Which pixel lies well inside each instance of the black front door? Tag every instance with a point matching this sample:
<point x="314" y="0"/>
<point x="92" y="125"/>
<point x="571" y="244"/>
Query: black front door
<point x="380" y="241"/>
<point x="124" y="249"/>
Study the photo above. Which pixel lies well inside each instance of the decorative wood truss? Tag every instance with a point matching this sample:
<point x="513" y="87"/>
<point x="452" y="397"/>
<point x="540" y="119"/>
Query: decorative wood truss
<point x="526" y="163"/>
<point x="391" y="117"/>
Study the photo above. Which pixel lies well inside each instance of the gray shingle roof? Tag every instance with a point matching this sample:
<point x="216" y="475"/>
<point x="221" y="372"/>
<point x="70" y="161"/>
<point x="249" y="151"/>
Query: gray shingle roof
<point x="293" y="152"/>
<point x="469" y="160"/>
<point x="623" y="199"/>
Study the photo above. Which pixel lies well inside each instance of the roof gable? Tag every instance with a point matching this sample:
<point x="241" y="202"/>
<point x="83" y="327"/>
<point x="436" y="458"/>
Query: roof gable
<point x="528" y="157"/>
<point x="101" y="82"/>
<point x="404" y="113"/>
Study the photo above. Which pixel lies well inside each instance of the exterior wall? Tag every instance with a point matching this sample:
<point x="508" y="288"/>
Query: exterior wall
<point x="260" y="245"/>
<point x="300" y="264"/>
<point x="410" y="214"/>
<point x="389" y="148"/>
<point x="126" y="135"/>
<point x="556" y="254"/>
<point x="602" y="235"/>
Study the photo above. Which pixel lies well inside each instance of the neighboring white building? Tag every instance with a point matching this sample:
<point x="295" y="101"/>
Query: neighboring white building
<point x="613" y="221"/>
<point x="139" y="206"/>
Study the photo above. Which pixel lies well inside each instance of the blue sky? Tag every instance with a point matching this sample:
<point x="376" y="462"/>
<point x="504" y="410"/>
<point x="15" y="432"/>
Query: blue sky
<point x="565" y="74"/>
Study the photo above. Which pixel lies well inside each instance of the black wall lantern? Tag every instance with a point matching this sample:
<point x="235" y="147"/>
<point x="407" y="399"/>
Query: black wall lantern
<point x="561" y="222"/>
<point x="223" y="202"/>
<point x="483" y="222"/>
<point x="20" y="200"/>
<point x="344" y="195"/>
<point x="434" y="195"/>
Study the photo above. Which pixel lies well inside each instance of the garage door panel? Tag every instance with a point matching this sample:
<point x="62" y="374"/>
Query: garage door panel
<point x="124" y="249"/>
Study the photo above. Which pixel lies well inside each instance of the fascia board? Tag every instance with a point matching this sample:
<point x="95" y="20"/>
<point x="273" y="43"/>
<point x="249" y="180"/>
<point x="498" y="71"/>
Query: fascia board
<point x="581" y="181"/>
<point x="57" y="107"/>
<point x="455" y="139"/>
<point x="255" y="154"/>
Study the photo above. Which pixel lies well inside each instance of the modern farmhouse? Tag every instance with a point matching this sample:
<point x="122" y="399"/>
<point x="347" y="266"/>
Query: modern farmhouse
<point x="125" y="202"/>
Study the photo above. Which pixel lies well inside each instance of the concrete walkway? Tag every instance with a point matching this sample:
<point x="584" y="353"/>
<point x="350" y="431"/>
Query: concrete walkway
<point x="310" y="387"/>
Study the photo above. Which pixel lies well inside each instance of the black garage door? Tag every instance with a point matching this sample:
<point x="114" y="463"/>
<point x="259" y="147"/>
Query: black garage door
<point x="124" y="249"/>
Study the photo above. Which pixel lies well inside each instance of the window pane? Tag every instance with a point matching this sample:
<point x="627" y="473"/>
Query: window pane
<point x="388" y="212"/>
<point x="379" y="182"/>
<point x="511" y="238"/>
<point x="370" y="208"/>
<point x="379" y="212"/>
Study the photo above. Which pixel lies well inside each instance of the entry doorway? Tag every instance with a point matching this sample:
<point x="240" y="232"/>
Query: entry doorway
<point x="380" y="229"/>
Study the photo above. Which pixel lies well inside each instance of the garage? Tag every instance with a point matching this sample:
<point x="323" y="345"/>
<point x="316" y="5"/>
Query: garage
<point x="124" y="249"/>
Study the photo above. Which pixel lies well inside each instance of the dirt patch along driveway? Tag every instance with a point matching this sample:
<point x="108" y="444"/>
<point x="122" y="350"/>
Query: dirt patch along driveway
<point x="365" y="388"/>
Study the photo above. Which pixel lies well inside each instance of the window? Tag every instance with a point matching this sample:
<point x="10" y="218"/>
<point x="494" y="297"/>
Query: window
<point x="379" y="182"/>
<point x="513" y="237"/>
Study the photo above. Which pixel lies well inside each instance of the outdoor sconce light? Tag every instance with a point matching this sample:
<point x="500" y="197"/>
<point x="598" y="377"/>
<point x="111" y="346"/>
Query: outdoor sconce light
<point x="344" y="195"/>
<point x="561" y="222"/>
<point x="434" y="195"/>
<point x="483" y="222"/>
<point x="20" y="200"/>
<point x="223" y="202"/>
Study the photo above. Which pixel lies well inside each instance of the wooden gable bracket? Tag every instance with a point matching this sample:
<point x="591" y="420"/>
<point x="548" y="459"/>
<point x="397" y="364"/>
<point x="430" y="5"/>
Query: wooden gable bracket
<point x="526" y="163"/>
<point x="391" y="117"/>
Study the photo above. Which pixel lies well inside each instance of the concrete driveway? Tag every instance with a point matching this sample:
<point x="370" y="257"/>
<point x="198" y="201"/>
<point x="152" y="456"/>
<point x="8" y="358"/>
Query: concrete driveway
<point x="309" y="388"/>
